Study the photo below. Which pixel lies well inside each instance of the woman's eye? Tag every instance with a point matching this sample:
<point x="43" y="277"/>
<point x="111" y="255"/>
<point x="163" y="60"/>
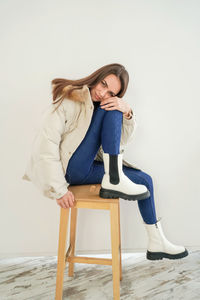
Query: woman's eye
<point x="103" y="82"/>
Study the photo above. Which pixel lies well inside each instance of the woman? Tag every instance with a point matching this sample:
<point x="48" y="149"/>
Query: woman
<point x="81" y="141"/>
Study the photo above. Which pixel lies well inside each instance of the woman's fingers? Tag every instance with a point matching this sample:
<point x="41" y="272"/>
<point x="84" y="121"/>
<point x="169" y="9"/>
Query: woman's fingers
<point x="71" y="202"/>
<point x="71" y="197"/>
<point x="61" y="204"/>
<point x="67" y="200"/>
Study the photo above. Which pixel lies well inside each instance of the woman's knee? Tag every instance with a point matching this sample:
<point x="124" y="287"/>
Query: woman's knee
<point x="114" y="111"/>
<point x="114" y="117"/>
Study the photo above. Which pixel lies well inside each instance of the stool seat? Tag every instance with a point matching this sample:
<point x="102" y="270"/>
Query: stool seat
<point x="87" y="196"/>
<point x="89" y="192"/>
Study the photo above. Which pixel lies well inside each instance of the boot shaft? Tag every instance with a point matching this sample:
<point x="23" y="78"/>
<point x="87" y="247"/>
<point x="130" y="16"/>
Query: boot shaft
<point x="113" y="166"/>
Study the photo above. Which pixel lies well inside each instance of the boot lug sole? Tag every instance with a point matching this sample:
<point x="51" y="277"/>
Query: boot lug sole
<point x="160" y="255"/>
<point x="106" y="193"/>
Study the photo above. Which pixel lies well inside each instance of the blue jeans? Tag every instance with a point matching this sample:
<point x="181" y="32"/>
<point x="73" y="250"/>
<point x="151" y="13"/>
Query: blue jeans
<point x="105" y="129"/>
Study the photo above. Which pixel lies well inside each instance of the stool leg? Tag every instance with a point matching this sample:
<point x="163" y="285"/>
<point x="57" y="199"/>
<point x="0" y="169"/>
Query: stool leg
<point x="114" y="220"/>
<point x="120" y="252"/>
<point x="72" y="238"/>
<point x="64" y="217"/>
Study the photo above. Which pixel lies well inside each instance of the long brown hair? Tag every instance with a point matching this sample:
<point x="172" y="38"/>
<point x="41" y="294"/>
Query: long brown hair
<point x="59" y="84"/>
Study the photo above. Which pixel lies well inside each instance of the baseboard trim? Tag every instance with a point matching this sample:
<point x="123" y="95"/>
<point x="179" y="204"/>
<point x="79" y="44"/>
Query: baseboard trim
<point x="83" y="252"/>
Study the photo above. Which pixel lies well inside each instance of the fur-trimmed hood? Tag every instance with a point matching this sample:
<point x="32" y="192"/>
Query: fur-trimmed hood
<point x="80" y="94"/>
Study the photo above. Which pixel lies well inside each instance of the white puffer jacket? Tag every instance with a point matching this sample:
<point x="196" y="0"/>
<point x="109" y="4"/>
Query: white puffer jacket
<point x="58" y="137"/>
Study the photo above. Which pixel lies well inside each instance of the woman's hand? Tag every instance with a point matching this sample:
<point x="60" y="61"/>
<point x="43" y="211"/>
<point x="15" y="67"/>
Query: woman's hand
<point x="66" y="201"/>
<point x="112" y="103"/>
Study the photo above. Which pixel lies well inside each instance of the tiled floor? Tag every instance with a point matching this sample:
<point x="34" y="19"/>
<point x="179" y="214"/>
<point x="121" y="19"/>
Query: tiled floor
<point x="35" y="278"/>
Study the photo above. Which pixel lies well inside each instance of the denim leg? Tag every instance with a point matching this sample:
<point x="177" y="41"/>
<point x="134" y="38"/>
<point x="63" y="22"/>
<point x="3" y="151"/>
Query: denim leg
<point x="111" y="132"/>
<point x="146" y="206"/>
<point x="105" y="129"/>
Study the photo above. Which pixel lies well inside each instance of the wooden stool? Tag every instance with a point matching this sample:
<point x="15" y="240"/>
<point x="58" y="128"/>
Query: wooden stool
<point x="87" y="196"/>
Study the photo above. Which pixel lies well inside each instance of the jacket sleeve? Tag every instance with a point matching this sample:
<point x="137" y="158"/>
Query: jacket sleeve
<point x="44" y="168"/>
<point x="128" y="129"/>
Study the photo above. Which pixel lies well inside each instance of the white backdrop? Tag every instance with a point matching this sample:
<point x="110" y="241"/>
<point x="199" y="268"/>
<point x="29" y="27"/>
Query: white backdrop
<point x="158" y="42"/>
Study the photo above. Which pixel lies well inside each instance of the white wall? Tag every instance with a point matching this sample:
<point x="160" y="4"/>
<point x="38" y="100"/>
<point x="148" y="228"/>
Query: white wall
<point x="158" y="42"/>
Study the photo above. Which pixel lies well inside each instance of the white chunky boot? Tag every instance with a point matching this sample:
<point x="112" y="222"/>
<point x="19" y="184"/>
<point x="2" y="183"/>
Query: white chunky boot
<point x="159" y="247"/>
<point x="115" y="184"/>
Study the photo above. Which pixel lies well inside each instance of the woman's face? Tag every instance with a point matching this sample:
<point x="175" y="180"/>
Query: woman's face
<point x="106" y="88"/>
